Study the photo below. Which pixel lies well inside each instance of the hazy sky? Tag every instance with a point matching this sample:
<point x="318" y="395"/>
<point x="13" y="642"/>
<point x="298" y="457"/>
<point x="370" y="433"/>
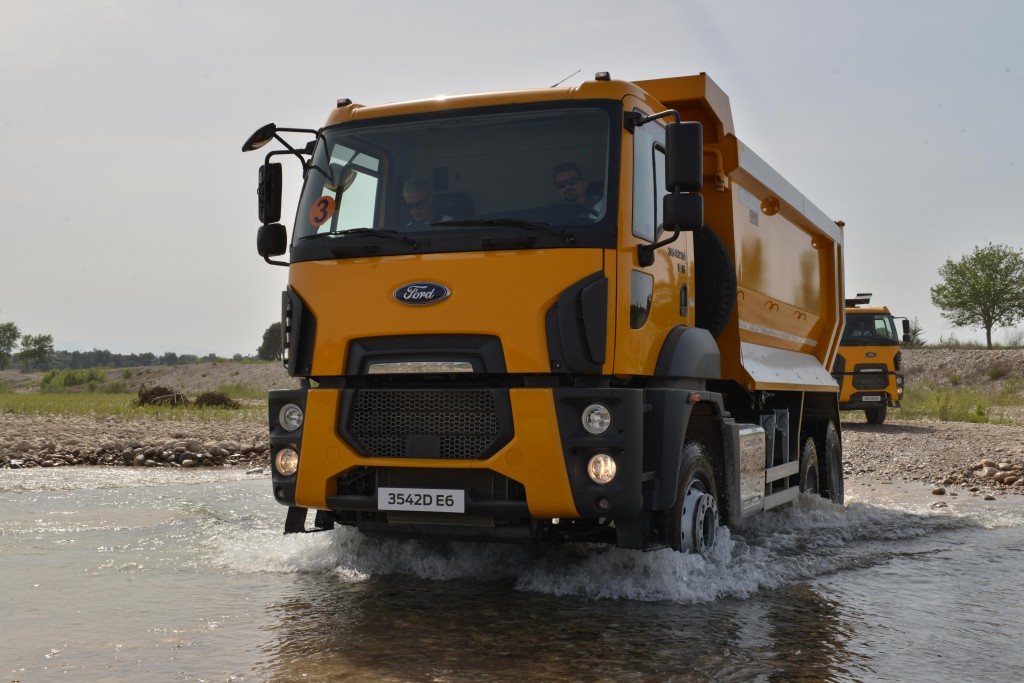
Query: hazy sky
<point x="129" y="212"/>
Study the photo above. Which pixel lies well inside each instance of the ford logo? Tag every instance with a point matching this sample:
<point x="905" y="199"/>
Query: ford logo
<point x="871" y="354"/>
<point x="421" y="293"/>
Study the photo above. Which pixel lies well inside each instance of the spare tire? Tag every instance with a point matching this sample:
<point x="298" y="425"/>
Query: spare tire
<point x="714" y="281"/>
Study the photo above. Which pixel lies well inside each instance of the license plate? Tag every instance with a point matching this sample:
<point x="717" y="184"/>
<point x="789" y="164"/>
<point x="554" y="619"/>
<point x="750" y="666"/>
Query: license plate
<point x="871" y="398"/>
<point x="421" y="500"/>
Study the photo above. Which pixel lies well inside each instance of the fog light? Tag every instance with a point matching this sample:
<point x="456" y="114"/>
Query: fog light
<point x="286" y="461"/>
<point x="290" y="417"/>
<point x="596" y="418"/>
<point x="601" y="468"/>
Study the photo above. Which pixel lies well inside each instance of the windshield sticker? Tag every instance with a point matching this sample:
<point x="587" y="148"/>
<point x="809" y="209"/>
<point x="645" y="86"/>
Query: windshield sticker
<point x="322" y="211"/>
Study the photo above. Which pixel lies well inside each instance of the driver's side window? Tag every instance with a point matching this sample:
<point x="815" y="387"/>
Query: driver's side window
<point x="648" y="178"/>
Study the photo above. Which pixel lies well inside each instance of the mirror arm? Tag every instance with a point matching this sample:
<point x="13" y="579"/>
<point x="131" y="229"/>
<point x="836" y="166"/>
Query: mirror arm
<point x="275" y="263"/>
<point x="633" y="119"/>
<point x="645" y="252"/>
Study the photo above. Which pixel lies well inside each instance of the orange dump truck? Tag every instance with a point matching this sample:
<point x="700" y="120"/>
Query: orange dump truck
<point x="580" y="313"/>
<point x="868" y="367"/>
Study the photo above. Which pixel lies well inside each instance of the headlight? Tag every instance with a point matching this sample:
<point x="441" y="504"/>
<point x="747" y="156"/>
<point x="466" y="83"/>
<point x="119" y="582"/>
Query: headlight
<point x="601" y="468"/>
<point x="290" y="417"/>
<point x="287" y="461"/>
<point x="596" y="418"/>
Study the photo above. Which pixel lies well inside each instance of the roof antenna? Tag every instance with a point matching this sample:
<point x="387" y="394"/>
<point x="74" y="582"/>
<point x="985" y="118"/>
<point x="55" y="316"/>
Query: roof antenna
<point x="567" y="78"/>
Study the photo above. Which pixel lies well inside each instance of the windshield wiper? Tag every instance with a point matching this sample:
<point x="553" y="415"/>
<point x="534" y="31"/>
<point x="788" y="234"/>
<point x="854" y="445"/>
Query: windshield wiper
<point x="341" y="250"/>
<point x="569" y="237"/>
<point x="387" y="234"/>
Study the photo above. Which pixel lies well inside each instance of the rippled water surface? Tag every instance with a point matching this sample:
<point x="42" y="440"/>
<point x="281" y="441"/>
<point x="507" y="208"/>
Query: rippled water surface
<point x="128" y="575"/>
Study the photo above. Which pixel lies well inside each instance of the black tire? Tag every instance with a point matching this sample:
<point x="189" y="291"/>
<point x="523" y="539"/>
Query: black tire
<point x="810" y="473"/>
<point x="876" y="416"/>
<point x="714" y="281"/>
<point x="830" y="464"/>
<point x="693" y="524"/>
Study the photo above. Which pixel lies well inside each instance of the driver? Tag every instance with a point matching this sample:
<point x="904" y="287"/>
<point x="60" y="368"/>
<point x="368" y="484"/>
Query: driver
<point x="571" y="185"/>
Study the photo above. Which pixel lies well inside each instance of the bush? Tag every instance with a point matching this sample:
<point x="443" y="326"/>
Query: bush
<point x="997" y="372"/>
<point x="62" y="379"/>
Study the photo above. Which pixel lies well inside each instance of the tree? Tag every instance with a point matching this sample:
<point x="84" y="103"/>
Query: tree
<point x="36" y="350"/>
<point x="983" y="289"/>
<point x="9" y="335"/>
<point x="271" y="348"/>
<point x="916" y="335"/>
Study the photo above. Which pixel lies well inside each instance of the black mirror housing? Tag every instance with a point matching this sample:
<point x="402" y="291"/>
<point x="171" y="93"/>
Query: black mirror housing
<point x="271" y="240"/>
<point x="269" y="193"/>
<point x="683" y="212"/>
<point x="684" y="157"/>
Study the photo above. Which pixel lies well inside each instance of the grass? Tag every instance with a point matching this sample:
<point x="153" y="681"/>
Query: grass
<point x="116" y="405"/>
<point x="959" y="404"/>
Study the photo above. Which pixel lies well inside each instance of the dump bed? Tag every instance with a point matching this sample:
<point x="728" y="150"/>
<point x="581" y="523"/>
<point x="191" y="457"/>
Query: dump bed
<point x="788" y="254"/>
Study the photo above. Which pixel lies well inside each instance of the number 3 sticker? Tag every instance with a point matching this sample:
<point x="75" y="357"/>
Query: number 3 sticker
<point x="322" y="210"/>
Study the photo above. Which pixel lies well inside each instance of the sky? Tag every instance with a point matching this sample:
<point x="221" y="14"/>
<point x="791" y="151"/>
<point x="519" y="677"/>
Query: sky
<point x="128" y="212"/>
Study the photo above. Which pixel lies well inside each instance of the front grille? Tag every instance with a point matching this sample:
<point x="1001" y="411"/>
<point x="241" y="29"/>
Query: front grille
<point x="870" y="376"/>
<point x="425" y="423"/>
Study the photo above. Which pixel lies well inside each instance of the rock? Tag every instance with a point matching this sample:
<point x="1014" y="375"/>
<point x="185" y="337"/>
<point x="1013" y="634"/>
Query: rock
<point x="139" y="460"/>
<point x="22" y="446"/>
<point x="939" y="491"/>
<point x="939" y="504"/>
<point x="986" y="472"/>
<point x="988" y="463"/>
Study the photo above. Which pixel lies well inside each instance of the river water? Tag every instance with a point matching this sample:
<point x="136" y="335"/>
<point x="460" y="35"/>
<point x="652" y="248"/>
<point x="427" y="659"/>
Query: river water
<point x="117" y="574"/>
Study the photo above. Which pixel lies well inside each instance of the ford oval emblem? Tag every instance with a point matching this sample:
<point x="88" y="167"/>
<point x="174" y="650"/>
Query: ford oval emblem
<point x="871" y="354"/>
<point x="421" y="293"/>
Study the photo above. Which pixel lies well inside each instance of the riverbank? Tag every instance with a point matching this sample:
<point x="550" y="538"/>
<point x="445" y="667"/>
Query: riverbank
<point x="988" y="458"/>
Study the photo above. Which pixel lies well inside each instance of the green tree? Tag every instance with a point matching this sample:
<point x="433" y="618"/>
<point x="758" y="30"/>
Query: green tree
<point x="983" y="289"/>
<point x="271" y="348"/>
<point x="36" y="350"/>
<point x="916" y="335"/>
<point x="9" y="335"/>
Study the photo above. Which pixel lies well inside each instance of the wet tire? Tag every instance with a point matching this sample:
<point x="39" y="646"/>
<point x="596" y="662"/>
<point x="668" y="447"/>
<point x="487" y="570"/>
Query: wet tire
<point x="809" y="471"/>
<point x="714" y="281"/>
<point x="830" y="464"/>
<point x="693" y="525"/>
<point x="876" y="416"/>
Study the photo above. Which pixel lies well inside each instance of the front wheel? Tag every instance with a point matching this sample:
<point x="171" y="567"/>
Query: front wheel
<point x="876" y="416"/>
<point x="693" y="526"/>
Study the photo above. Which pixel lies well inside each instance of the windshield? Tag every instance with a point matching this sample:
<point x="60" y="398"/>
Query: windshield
<point x="466" y="171"/>
<point x="869" y="328"/>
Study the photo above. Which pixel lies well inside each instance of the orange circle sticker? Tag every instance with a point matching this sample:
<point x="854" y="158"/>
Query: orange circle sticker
<point x="322" y="211"/>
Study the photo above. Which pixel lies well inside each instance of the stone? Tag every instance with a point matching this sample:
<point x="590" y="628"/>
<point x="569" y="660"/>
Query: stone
<point x="939" y="491"/>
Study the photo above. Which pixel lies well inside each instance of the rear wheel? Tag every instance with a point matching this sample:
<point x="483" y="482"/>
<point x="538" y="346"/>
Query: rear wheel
<point x="876" y="416"/>
<point x="693" y="526"/>
<point x="830" y="464"/>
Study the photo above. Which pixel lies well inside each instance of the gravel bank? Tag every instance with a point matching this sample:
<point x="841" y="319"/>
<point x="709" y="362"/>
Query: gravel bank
<point x="55" y="441"/>
<point x="988" y="458"/>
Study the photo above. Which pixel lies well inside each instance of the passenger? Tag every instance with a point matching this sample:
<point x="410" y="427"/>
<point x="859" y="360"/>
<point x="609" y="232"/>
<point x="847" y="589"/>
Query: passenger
<point x="572" y="186"/>
<point x="419" y="200"/>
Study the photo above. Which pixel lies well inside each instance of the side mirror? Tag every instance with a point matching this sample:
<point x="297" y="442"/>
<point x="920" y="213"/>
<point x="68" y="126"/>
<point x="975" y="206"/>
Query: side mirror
<point x="684" y="157"/>
<point x="683" y="211"/>
<point x="269" y="193"/>
<point x="271" y="240"/>
<point x="906" y="331"/>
